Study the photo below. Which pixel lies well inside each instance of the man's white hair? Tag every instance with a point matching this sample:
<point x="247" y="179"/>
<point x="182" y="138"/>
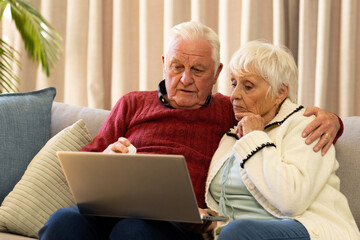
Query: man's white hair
<point x="275" y="64"/>
<point x="193" y="31"/>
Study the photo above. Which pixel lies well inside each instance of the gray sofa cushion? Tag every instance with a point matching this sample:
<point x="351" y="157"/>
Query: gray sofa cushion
<point x="12" y="236"/>
<point x="64" y="115"/>
<point x="348" y="155"/>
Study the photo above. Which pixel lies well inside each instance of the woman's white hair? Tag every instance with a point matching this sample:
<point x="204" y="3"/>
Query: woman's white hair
<point x="193" y="31"/>
<point x="275" y="64"/>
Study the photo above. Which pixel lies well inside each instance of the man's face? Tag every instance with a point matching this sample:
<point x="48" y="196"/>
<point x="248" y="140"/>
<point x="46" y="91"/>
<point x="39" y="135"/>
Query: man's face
<point x="189" y="73"/>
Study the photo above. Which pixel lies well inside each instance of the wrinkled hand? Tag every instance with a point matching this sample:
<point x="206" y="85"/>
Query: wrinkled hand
<point x="325" y="126"/>
<point x="249" y="122"/>
<point x="121" y="146"/>
<point x="205" y="227"/>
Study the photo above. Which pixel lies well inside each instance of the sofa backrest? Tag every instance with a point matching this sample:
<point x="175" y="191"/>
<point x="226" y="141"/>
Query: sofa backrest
<point x="64" y="115"/>
<point x="348" y="155"/>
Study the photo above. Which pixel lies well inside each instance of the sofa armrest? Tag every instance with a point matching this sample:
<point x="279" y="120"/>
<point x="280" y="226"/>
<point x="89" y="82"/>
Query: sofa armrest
<point x="348" y="155"/>
<point x="64" y="115"/>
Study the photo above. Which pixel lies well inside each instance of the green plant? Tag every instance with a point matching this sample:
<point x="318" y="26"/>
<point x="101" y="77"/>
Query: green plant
<point x="40" y="38"/>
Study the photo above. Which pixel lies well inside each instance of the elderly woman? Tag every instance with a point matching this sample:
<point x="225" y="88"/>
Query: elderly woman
<point x="263" y="176"/>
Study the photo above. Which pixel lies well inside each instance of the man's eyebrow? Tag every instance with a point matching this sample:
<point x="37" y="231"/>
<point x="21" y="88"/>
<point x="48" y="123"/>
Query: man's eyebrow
<point x="175" y="60"/>
<point x="197" y="64"/>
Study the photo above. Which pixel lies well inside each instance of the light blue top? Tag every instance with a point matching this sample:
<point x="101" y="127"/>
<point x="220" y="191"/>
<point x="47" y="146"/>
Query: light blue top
<point x="233" y="197"/>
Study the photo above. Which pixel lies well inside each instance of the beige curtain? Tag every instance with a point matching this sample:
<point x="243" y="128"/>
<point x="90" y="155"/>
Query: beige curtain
<point x="111" y="47"/>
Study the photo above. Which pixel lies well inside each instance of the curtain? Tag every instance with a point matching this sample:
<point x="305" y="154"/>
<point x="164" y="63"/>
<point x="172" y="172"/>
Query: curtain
<point x="111" y="47"/>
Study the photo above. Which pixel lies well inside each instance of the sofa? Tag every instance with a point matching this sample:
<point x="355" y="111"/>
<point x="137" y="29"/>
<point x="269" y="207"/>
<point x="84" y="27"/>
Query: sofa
<point x="348" y="153"/>
<point x="62" y="116"/>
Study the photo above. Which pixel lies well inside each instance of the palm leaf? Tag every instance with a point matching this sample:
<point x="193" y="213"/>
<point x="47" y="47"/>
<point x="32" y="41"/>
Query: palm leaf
<point x="3" y="5"/>
<point x="8" y="80"/>
<point x="40" y="39"/>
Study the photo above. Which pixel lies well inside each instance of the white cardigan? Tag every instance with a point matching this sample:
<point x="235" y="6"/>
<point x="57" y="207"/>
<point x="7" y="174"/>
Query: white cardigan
<point x="289" y="179"/>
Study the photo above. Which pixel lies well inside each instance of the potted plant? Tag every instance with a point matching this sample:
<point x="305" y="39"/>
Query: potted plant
<point x="40" y="39"/>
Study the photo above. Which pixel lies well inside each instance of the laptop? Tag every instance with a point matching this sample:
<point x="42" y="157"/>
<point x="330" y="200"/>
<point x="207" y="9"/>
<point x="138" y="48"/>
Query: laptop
<point x="145" y="186"/>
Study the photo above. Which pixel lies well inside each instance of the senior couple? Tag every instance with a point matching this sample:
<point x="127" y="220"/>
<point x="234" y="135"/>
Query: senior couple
<point x="246" y="155"/>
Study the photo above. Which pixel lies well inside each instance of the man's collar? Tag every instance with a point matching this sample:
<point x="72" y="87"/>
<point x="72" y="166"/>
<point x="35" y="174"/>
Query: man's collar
<point x="162" y="92"/>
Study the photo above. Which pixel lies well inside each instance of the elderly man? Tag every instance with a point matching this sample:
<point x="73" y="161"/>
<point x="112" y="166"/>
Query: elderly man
<point x="182" y="117"/>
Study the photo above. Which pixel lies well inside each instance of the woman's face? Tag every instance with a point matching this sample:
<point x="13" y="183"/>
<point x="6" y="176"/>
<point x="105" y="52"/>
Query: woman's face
<point x="249" y="95"/>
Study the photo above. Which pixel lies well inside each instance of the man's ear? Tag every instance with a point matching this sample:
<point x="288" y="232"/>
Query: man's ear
<point x="163" y="61"/>
<point x="282" y="94"/>
<point x="218" y="71"/>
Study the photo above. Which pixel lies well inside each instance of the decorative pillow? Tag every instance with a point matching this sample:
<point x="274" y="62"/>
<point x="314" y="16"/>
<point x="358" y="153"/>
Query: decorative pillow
<point x="24" y="129"/>
<point x="43" y="188"/>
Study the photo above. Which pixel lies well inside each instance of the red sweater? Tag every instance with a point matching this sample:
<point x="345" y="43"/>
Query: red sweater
<point x="153" y="128"/>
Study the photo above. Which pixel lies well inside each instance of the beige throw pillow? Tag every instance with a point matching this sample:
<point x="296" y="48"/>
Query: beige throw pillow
<point x="43" y="188"/>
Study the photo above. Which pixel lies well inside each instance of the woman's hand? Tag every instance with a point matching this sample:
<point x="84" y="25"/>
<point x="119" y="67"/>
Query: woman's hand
<point x="121" y="146"/>
<point x="206" y="226"/>
<point x="249" y="122"/>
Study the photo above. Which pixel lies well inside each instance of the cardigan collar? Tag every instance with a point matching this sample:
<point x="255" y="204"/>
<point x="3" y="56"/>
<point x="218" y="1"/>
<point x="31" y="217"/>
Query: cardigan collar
<point x="287" y="109"/>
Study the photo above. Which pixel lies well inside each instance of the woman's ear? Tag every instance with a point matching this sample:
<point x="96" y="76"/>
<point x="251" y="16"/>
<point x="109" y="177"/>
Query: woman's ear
<point x="282" y="94"/>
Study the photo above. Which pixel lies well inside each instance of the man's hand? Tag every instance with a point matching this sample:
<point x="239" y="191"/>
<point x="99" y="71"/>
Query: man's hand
<point x="121" y="146"/>
<point x="325" y="126"/>
<point x="205" y="227"/>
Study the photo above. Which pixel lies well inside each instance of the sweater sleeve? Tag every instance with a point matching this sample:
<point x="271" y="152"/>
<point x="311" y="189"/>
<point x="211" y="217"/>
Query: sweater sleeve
<point x="285" y="172"/>
<point x="341" y="130"/>
<point x="114" y="127"/>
